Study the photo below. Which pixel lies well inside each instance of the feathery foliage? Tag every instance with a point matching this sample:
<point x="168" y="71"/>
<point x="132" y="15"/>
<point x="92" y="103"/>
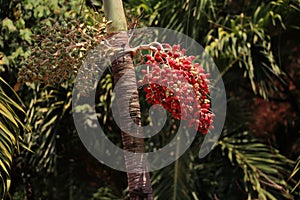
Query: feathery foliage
<point x="238" y="34"/>
<point x="265" y="170"/>
<point x="11" y="126"/>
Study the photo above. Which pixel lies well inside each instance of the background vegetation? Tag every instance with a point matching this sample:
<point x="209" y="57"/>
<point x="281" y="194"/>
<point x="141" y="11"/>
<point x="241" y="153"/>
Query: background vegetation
<point x="254" y="44"/>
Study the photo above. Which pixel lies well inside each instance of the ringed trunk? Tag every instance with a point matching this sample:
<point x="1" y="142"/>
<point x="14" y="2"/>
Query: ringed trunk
<point x="139" y="182"/>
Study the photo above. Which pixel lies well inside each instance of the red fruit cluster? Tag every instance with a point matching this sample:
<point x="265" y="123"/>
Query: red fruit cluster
<point x="180" y="86"/>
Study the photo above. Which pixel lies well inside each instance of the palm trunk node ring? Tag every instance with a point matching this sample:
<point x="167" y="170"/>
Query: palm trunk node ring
<point x="139" y="182"/>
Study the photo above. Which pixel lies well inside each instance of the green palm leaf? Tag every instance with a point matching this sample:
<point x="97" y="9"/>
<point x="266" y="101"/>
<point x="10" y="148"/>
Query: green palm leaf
<point x="245" y="42"/>
<point x="10" y="128"/>
<point x="177" y="180"/>
<point x="295" y="172"/>
<point x="45" y="113"/>
<point x="189" y="17"/>
<point x="264" y="169"/>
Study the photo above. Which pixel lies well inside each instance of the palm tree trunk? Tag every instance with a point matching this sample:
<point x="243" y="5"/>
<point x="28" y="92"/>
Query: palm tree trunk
<point x="139" y="182"/>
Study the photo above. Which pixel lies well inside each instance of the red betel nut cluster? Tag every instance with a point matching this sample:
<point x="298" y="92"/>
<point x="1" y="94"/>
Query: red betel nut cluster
<point x="180" y="86"/>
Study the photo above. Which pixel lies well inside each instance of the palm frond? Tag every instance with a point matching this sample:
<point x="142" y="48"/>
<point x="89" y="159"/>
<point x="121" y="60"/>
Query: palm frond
<point x="264" y="168"/>
<point x="176" y="180"/>
<point x="189" y="17"/>
<point x="296" y="173"/>
<point x="45" y="112"/>
<point x="242" y="41"/>
<point x="10" y="128"/>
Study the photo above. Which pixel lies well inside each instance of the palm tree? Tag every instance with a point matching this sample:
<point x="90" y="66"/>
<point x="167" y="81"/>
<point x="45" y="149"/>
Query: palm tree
<point x="138" y="178"/>
<point x="237" y="168"/>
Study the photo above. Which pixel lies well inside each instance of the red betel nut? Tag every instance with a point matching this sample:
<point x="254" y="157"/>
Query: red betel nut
<point x="181" y="81"/>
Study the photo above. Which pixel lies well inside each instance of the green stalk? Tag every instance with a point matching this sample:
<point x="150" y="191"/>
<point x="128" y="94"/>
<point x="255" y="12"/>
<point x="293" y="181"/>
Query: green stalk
<point x="114" y="12"/>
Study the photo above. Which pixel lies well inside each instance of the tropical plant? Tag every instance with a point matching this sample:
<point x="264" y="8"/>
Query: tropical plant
<point x="230" y="36"/>
<point x="239" y="167"/>
<point x="41" y="67"/>
<point x="240" y="37"/>
<point x="11" y="128"/>
<point x="295" y="173"/>
<point x="264" y="169"/>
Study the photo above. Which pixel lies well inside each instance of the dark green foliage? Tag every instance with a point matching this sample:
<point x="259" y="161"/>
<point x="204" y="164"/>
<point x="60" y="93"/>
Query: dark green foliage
<point x="252" y="45"/>
<point x="264" y="168"/>
<point x="242" y="37"/>
<point x="296" y="175"/>
<point x="11" y="126"/>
